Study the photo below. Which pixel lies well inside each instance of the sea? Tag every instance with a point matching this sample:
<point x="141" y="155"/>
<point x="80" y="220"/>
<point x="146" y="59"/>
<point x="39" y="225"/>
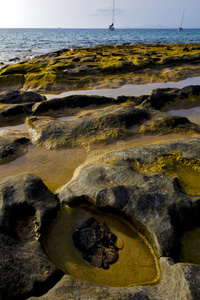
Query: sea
<point x="21" y="44"/>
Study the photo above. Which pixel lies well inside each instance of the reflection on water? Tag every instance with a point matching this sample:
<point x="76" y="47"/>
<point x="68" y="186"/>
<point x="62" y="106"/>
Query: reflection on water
<point x="130" y="89"/>
<point x="54" y="167"/>
<point x="67" y="118"/>
<point x="193" y="114"/>
<point x="20" y="127"/>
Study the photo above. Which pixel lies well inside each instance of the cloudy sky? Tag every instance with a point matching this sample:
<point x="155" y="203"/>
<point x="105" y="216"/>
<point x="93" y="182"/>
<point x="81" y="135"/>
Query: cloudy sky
<point x="97" y="13"/>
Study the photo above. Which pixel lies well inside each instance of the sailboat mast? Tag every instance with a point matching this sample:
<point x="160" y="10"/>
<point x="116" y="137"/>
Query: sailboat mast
<point x="113" y="16"/>
<point x="182" y="17"/>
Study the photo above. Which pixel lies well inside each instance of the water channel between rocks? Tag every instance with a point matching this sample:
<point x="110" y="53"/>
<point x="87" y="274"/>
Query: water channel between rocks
<point x="56" y="167"/>
<point x="193" y="114"/>
<point x="129" y="89"/>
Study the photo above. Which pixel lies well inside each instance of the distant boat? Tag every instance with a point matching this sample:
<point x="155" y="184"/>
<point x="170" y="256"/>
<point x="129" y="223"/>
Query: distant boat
<point x="111" y="27"/>
<point x="181" y="27"/>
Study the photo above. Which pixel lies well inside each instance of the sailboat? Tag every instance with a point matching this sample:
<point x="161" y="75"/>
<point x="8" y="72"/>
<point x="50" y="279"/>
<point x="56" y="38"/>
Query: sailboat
<point x="181" y="27"/>
<point x="111" y="27"/>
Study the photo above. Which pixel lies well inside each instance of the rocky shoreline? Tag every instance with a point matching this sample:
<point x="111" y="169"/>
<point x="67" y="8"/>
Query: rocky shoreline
<point x="154" y="189"/>
<point x="112" y="66"/>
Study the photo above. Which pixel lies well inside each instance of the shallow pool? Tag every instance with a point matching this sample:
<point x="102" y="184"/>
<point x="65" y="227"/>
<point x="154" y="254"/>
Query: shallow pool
<point x="130" y="89"/>
<point x="193" y="114"/>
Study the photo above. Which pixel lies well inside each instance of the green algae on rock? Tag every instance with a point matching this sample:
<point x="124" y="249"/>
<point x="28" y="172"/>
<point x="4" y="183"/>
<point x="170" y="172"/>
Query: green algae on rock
<point x="137" y="263"/>
<point x="104" y="125"/>
<point x="187" y="171"/>
<point x="110" y="65"/>
<point x="172" y="98"/>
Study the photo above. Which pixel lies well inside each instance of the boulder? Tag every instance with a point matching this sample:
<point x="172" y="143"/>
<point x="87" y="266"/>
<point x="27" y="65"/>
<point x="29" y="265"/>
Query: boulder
<point x="16" y="97"/>
<point x="12" y="143"/>
<point x="153" y="202"/>
<point x="171" y="98"/>
<point x="73" y="101"/>
<point x="104" y="125"/>
<point x="27" y="208"/>
<point x="113" y="183"/>
<point x="10" y="112"/>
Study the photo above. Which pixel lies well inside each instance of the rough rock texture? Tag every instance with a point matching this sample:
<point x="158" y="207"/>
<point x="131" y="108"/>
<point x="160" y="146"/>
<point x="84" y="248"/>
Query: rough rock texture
<point x="15" y="105"/>
<point x="14" y="96"/>
<point x="97" y="243"/>
<point x="187" y="97"/>
<point x="27" y="207"/>
<point x="73" y="101"/>
<point x="177" y="282"/>
<point x="152" y="202"/>
<point x="111" y="66"/>
<point x="12" y="143"/>
<point x="104" y="124"/>
<point x="10" y="112"/>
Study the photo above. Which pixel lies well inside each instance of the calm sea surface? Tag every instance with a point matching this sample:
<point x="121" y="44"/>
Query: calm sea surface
<point x="20" y="44"/>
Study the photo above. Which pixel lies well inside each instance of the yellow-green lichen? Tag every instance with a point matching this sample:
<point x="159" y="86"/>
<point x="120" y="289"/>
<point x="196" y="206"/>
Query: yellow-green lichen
<point x="49" y="72"/>
<point x="187" y="171"/>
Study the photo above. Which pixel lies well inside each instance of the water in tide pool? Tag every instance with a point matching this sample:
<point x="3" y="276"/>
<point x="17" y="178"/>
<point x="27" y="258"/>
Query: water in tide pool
<point x="18" y="44"/>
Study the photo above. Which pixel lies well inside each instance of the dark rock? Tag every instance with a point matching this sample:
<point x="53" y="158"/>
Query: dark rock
<point x="87" y="238"/>
<point x="135" y="100"/>
<point x="14" y="59"/>
<point x="27" y="208"/>
<point x="97" y="243"/>
<point x="12" y="143"/>
<point x="111" y="256"/>
<point x="105" y="124"/>
<point x="11" y="111"/>
<point x="188" y="96"/>
<point x="16" y="97"/>
<point x="177" y="282"/>
<point x="73" y="101"/>
<point x="97" y="261"/>
<point x="153" y="201"/>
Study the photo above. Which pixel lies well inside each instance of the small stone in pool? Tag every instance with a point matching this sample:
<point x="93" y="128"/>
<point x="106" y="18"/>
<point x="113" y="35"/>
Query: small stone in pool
<point x="98" y="244"/>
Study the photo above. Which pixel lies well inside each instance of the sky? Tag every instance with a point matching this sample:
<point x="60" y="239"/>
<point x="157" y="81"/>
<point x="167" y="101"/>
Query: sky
<point x="98" y="13"/>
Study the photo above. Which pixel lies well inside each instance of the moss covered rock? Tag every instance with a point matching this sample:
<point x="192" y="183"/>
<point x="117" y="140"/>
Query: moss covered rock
<point x="76" y="68"/>
<point x="106" y="124"/>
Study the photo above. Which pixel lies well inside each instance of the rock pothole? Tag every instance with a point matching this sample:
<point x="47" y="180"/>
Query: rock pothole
<point x="24" y="223"/>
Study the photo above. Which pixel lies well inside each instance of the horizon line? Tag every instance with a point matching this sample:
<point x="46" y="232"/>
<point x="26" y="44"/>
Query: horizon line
<point x="97" y="27"/>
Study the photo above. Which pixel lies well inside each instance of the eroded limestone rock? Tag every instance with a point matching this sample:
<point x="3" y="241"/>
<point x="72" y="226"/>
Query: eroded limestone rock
<point x="172" y="98"/>
<point x="15" y="96"/>
<point x="12" y="143"/>
<point x="105" y="124"/>
<point x="27" y="208"/>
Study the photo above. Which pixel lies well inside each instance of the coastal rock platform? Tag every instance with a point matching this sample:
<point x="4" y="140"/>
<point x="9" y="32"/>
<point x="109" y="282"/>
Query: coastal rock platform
<point x="105" y="124"/>
<point x="76" y="242"/>
<point x="111" y="66"/>
<point x="142" y="185"/>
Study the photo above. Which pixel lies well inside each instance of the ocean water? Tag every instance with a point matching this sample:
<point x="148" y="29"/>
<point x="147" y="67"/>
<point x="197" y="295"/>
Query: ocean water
<point x="19" y="44"/>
